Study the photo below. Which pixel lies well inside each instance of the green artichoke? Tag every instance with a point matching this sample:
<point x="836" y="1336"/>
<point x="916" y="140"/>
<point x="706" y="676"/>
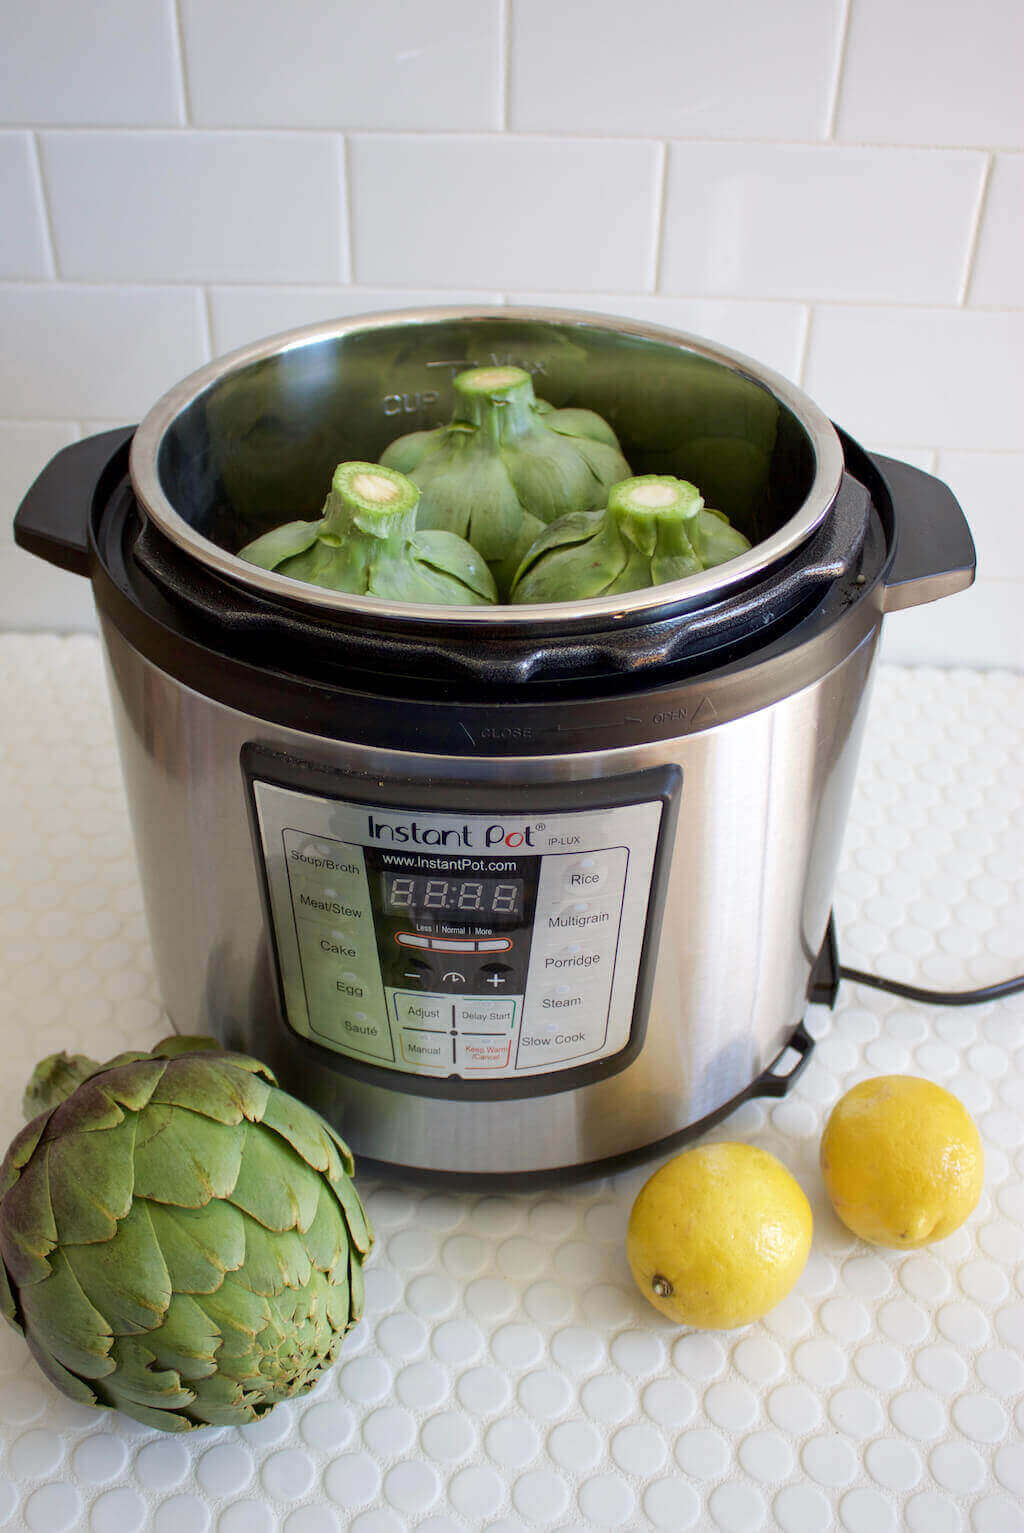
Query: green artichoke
<point x="507" y="465"/>
<point x="179" y="1239"/>
<point x="366" y="543"/>
<point x="655" y="528"/>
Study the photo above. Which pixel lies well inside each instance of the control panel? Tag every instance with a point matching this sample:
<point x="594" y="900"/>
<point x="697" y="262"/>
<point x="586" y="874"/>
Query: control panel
<point x="458" y="945"/>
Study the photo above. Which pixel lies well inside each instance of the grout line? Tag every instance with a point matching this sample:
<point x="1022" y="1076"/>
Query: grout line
<point x="505" y="62"/>
<point x="804" y="344"/>
<point x="837" y="77"/>
<point x="974" y="236"/>
<point x="206" y="303"/>
<point x="179" y="40"/>
<point x="347" y="246"/>
<point x="49" y="243"/>
<point x="660" y="204"/>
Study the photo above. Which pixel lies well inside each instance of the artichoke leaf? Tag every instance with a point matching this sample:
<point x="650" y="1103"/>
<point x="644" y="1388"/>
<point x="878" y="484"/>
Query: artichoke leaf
<point x="68" y="1383"/>
<point x="222" y="1402"/>
<point x="275" y="1260"/>
<point x="467" y="490"/>
<point x="127" y="1279"/>
<point x="406" y="453"/>
<point x="199" y="1245"/>
<point x="140" y="1379"/>
<point x="586" y="426"/>
<point x="327" y="1240"/>
<point x="300" y="1127"/>
<point x="28" y="1232"/>
<point x="187" y="1341"/>
<point x="357" y="1287"/>
<point x="213" y="1087"/>
<point x="348" y="1163"/>
<point x="19" y="1152"/>
<point x="716" y="540"/>
<point x="146" y="1416"/>
<point x="184" y="1159"/>
<point x="91" y="1178"/>
<point x="580" y="556"/>
<point x="275" y="1185"/>
<point x="188" y="1043"/>
<point x="355" y="1218"/>
<point x="281" y="543"/>
<point x="456" y="559"/>
<point x="63" y="1321"/>
<point x="8" y="1305"/>
<point x="549" y="480"/>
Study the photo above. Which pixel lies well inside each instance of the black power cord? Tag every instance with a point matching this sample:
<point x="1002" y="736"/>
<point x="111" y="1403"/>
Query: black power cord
<point x="938" y="997"/>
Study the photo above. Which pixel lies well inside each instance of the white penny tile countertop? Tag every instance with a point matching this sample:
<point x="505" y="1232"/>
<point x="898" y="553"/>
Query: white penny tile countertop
<point x="507" y="1375"/>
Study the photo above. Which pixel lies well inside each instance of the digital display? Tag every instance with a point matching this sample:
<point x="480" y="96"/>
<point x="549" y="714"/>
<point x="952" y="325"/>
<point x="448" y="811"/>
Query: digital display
<point x="490" y="899"/>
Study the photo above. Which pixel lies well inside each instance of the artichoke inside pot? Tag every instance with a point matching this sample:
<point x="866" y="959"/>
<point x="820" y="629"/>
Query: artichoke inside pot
<point x="179" y="1238"/>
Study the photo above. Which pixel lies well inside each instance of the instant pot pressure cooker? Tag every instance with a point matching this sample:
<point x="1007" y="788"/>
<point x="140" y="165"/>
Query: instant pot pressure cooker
<point x="511" y="891"/>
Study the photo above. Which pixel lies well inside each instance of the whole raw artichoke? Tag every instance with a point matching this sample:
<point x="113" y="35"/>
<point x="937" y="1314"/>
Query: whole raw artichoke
<point x="506" y="465"/>
<point x="180" y="1239"/>
<point x="366" y="542"/>
<point x="655" y="528"/>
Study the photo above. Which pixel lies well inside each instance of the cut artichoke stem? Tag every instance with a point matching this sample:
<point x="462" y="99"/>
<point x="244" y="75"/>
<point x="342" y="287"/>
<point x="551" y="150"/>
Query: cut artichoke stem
<point x="653" y="509"/>
<point x="500" y="399"/>
<point x="377" y="500"/>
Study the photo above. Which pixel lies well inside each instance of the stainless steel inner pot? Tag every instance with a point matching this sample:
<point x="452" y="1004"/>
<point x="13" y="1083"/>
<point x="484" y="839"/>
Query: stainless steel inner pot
<point x="252" y="440"/>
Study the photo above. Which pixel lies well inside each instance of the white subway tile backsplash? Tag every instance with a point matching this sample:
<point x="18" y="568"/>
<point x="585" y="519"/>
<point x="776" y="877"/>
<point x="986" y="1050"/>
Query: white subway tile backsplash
<point x="792" y="221"/>
<point x="77" y="352"/>
<point x="933" y="72"/>
<point x="674" y="68"/>
<point x="948" y="376"/>
<point x="66" y="61"/>
<point x="170" y="207"/>
<point x="990" y="487"/>
<point x="577" y="214"/>
<point x="999" y="263"/>
<point x="37" y="597"/>
<point x="346" y="65"/>
<point x="25" y="449"/>
<point x="23" y="251"/>
<point x="243" y="314"/>
<point x="983" y="626"/>
<point x="771" y="333"/>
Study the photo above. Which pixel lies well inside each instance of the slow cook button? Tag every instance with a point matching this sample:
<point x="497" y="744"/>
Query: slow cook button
<point x="546" y="1042"/>
<point x="430" y="1011"/>
<point x="426" y="1050"/>
<point x="474" y="1052"/>
<point x="485" y="1016"/>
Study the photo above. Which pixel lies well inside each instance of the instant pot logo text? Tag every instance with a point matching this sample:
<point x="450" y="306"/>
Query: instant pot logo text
<point x="412" y="833"/>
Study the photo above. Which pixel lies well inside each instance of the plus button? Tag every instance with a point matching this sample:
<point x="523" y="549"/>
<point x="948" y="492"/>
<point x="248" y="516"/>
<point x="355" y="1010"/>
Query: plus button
<point x="495" y="980"/>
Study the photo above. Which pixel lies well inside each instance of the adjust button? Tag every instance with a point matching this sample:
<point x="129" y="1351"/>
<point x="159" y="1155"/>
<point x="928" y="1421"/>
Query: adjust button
<point x="429" y="1011"/>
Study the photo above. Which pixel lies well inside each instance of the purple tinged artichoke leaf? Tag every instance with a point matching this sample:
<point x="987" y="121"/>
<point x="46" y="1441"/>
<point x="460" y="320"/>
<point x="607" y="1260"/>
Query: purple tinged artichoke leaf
<point x="68" y="1383"/>
<point x="28" y="1232"/>
<point x="8" y="1306"/>
<point x="90" y="1177"/>
<point x="62" y="1320"/>
<point x="213" y="1087"/>
<point x="275" y="1260"/>
<point x="126" y="1278"/>
<point x="274" y="1184"/>
<point x="19" y="1152"/>
<point x="184" y="1159"/>
<point x="199" y="1245"/>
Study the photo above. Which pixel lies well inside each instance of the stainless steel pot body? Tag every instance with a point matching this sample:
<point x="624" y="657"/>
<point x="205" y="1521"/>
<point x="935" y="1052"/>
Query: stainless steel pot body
<point x="761" y="812"/>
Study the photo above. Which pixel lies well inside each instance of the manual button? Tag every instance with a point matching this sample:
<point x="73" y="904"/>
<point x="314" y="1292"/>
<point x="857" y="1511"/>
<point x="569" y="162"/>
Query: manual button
<point x="433" y="1050"/>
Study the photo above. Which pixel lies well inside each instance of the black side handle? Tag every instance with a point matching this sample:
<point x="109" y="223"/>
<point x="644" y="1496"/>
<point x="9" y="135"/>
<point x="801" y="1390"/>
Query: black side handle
<point x="934" y="553"/>
<point x="775" y="1083"/>
<point x="53" y="518"/>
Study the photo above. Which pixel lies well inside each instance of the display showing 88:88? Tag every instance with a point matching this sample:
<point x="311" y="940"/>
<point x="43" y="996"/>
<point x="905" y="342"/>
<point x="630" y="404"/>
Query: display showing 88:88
<point x="489" y="897"/>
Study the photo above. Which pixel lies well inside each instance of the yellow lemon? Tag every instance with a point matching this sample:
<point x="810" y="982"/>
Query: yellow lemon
<point x="902" y="1161"/>
<point x="718" y="1236"/>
